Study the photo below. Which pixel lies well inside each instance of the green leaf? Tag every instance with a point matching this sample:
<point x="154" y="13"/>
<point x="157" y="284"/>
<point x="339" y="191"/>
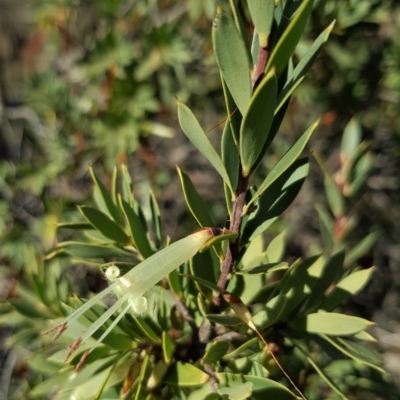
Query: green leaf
<point x="204" y="393"/>
<point x="196" y="135"/>
<point x="262" y="14"/>
<point x="295" y="78"/>
<point x="334" y="197"/>
<point x="283" y="164"/>
<point x="232" y="58"/>
<point x="185" y="375"/>
<point x="195" y="203"/>
<point x="239" y="392"/>
<point x="347" y="287"/>
<point x="168" y="347"/>
<point x="276" y="247"/>
<point x="215" y="352"/>
<point x="83" y="250"/>
<point x="105" y="225"/>
<point x="275" y="200"/>
<point x="108" y="201"/>
<point x="359" y="173"/>
<point x="276" y="123"/>
<point x="126" y="183"/>
<point x="148" y="330"/>
<point x="291" y="291"/>
<point x="287" y="43"/>
<point x="138" y="231"/>
<point x="230" y="155"/>
<point x="363" y="247"/>
<point x="234" y="116"/>
<point x="351" y="138"/>
<point x="326" y="379"/>
<point x="156" y="218"/>
<point x="257" y="121"/>
<point x="75" y="225"/>
<point x="32" y="309"/>
<point x="326" y="226"/>
<point x="205" y="266"/>
<point x="226" y="320"/>
<point x="330" y="324"/>
<point x="203" y="282"/>
<point x="325" y="277"/>
<point x="262" y="269"/>
<point x="333" y="194"/>
<point x="356" y="352"/>
<point x="174" y="282"/>
<point x="263" y="388"/>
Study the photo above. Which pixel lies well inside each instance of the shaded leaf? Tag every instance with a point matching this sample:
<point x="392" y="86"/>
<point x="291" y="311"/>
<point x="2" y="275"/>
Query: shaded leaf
<point x="156" y="218"/>
<point x="195" y="203"/>
<point x="326" y="226"/>
<point x="257" y="121"/>
<point x="138" y="231"/>
<point x="275" y="200"/>
<point x="226" y="320"/>
<point x="284" y="49"/>
<point x="84" y="250"/>
<point x="283" y="164"/>
<point x="105" y="225"/>
<point x="230" y="155"/>
<point x="295" y="78"/>
<point x="326" y="379"/>
<point x="108" y="201"/>
<point x="75" y="225"/>
<point x="347" y="287"/>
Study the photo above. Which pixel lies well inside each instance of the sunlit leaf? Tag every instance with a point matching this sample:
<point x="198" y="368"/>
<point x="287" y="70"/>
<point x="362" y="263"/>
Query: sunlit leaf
<point x="232" y="58"/>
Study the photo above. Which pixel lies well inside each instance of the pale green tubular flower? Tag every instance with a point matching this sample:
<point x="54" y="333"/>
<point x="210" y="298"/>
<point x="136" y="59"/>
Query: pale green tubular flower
<point x="131" y="287"/>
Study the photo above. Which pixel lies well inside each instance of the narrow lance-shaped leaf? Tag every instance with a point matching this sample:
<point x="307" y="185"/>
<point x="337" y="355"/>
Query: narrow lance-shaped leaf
<point x="156" y="218"/>
<point x="111" y="206"/>
<point x="105" y="225"/>
<point x="194" y="202"/>
<point x="326" y="378"/>
<point x="86" y="250"/>
<point x="232" y="58"/>
<point x="230" y="155"/>
<point x="138" y="231"/>
<point x="326" y="225"/>
<point x="347" y="287"/>
<point x="295" y="78"/>
<point x="363" y="247"/>
<point x="284" y="49"/>
<point x="351" y="138"/>
<point x="283" y="164"/>
<point x="330" y="324"/>
<point x="257" y="121"/>
<point x="262" y="14"/>
<point x="275" y="200"/>
<point x="197" y="136"/>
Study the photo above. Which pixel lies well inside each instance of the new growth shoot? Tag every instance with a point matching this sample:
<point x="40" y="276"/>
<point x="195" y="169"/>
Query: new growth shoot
<point x="131" y="287"/>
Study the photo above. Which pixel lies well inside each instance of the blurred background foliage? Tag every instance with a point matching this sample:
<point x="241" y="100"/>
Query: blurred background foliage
<point x="93" y="82"/>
